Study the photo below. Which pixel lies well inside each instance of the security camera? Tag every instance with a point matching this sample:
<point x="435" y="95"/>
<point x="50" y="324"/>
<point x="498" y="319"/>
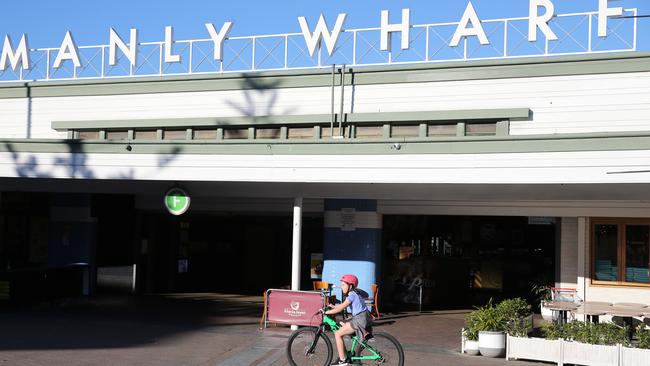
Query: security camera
<point x="396" y="146"/>
<point x="128" y="148"/>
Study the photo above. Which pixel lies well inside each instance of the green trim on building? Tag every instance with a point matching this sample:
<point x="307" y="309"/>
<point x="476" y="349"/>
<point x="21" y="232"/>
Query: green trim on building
<point x="453" y="71"/>
<point x="428" y="116"/>
<point x="448" y="145"/>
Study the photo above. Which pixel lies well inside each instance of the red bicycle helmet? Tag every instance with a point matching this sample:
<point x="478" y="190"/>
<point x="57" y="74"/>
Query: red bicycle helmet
<point x="351" y="279"/>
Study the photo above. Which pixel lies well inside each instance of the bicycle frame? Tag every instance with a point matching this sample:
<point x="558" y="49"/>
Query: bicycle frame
<point x="376" y="355"/>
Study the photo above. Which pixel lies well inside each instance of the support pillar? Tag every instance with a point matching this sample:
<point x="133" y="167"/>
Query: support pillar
<point x="352" y="241"/>
<point x="296" y="252"/>
<point x="72" y="239"/>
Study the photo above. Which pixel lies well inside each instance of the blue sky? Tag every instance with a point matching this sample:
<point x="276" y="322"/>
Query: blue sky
<point x="47" y="21"/>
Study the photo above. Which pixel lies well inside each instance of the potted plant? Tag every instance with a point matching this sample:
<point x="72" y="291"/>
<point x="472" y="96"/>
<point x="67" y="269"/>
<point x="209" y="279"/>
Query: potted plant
<point x="542" y="293"/>
<point x="470" y="334"/>
<point x="516" y="313"/>
<point x="490" y="323"/>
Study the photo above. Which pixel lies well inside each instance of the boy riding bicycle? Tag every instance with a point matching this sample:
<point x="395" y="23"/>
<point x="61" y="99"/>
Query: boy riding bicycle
<point x="361" y="321"/>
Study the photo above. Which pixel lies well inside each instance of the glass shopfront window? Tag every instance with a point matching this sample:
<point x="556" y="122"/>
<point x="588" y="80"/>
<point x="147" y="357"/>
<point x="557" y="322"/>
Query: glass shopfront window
<point x="621" y="251"/>
<point x="606" y="250"/>
<point x="636" y="253"/>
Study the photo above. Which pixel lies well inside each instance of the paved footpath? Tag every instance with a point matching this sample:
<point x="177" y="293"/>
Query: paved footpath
<point x="195" y="329"/>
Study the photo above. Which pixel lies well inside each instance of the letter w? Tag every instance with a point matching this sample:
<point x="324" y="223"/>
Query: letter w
<point x="321" y="31"/>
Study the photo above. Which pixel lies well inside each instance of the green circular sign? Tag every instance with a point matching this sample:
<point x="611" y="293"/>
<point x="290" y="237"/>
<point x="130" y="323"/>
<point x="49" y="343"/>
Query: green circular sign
<point x="177" y="201"/>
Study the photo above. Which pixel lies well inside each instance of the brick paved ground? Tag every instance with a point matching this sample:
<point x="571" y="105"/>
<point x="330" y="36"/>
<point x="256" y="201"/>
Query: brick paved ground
<point x="195" y="329"/>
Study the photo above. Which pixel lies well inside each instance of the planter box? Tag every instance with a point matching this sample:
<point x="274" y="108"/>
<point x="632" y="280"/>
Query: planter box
<point x="634" y="356"/>
<point x="538" y="349"/>
<point x="562" y="352"/>
<point x="589" y="354"/>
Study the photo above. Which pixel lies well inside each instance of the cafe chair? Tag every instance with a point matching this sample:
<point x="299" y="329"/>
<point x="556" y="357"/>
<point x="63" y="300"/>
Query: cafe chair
<point x="326" y="288"/>
<point x="373" y="301"/>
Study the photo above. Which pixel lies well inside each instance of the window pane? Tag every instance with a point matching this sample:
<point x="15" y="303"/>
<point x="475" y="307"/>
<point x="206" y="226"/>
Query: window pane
<point x="636" y="254"/>
<point x="405" y="131"/>
<point x="606" y="238"/>
<point x="268" y="133"/>
<point x="442" y="130"/>
<point x="369" y="132"/>
<point x="89" y="135"/>
<point x="480" y="129"/>
<point x="145" y="135"/>
<point x="174" y="134"/>
<point x="205" y="134"/>
<point x="117" y="135"/>
<point x="301" y="133"/>
<point x="235" y="133"/>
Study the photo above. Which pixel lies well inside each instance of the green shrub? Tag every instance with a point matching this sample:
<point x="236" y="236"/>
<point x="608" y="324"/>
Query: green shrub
<point x="601" y="333"/>
<point x="643" y="336"/>
<point x="484" y="318"/>
<point x="553" y="331"/>
<point x="515" y="312"/>
<point x="508" y="316"/>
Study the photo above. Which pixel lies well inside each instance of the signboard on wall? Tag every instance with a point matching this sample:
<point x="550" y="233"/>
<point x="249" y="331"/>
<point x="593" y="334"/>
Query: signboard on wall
<point x="325" y="42"/>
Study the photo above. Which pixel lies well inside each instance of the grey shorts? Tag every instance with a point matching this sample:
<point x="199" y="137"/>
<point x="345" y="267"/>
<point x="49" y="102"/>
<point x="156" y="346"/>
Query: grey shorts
<point x="362" y="324"/>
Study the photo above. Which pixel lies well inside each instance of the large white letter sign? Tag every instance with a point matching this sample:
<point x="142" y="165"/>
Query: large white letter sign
<point x="463" y="31"/>
<point x="321" y="31"/>
<point x="20" y="55"/>
<point x="218" y="38"/>
<point x="169" y="40"/>
<point x="388" y="29"/>
<point x="130" y="52"/>
<point x="535" y="21"/>
<point x="67" y="51"/>
<point x="603" y="13"/>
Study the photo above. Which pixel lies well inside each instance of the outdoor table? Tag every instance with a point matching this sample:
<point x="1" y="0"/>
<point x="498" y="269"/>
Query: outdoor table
<point x="627" y="313"/>
<point x="562" y="307"/>
<point x="597" y="303"/>
<point x="634" y="305"/>
<point x="593" y="309"/>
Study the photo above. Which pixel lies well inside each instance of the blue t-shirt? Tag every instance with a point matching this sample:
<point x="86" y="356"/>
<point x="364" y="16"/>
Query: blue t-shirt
<point x="356" y="303"/>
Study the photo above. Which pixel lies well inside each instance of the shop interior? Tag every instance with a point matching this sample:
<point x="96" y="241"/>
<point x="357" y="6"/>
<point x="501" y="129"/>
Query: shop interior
<point x="432" y="262"/>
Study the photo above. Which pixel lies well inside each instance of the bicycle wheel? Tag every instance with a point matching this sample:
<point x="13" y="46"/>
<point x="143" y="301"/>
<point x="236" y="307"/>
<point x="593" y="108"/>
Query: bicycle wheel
<point x="307" y="347"/>
<point x="384" y="344"/>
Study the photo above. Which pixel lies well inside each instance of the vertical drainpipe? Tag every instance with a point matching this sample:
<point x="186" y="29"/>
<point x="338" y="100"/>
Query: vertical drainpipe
<point x="332" y="104"/>
<point x="342" y="100"/>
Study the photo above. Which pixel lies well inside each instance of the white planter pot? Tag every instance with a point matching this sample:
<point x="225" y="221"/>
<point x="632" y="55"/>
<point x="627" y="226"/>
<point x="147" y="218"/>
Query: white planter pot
<point x="492" y="344"/>
<point x="471" y="348"/>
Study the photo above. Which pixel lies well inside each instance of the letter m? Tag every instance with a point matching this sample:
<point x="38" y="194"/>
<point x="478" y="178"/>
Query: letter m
<point x="19" y="56"/>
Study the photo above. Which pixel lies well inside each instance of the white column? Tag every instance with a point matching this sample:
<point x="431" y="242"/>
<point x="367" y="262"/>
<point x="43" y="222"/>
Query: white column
<point x="295" y="252"/>
<point x="583" y="258"/>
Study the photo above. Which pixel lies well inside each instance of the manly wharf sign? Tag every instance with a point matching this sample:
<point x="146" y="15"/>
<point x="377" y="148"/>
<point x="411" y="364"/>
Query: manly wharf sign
<point x="541" y="33"/>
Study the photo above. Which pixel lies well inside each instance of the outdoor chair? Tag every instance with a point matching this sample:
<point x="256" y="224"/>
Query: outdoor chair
<point x="373" y="301"/>
<point x="326" y="288"/>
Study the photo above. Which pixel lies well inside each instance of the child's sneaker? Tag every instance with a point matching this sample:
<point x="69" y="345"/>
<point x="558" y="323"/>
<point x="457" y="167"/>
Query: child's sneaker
<point x="340" y="362"/>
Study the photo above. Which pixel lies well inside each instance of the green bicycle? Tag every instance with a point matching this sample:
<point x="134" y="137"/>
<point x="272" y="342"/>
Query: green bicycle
<point x="311" y="346"/>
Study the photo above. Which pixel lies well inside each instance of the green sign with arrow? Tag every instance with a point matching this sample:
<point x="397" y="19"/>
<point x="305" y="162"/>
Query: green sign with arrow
<point x="177" y="201"/>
